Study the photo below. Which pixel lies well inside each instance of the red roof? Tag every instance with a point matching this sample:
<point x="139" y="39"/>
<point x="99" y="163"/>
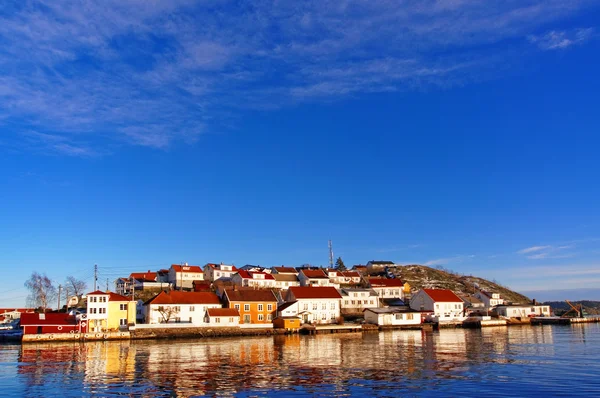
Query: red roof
<point x="250" y="275"/>
<point x="49" y="318"/>
<point x="187" y="268"/>
<point x="315" y="274"/>
<point x="218" y="266"/>
<point x="384" y="282"/>
<point x="176" y="297"/>
<point x="317" y="292"/>
<point x="443" y="295"/>
<point x="111" y="296"/>
<point x="150" y="276"/>
<point x="242" y="295"/>
<point x="285" y="270"/>
<point x="350" y="274"/>
<point x="222" y="312"/>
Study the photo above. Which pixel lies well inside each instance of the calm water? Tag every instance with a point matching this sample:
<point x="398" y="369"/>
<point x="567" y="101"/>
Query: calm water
<point x="517" y="361"/>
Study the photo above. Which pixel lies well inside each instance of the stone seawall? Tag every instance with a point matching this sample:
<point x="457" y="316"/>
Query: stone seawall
<point x="200" y="332"/>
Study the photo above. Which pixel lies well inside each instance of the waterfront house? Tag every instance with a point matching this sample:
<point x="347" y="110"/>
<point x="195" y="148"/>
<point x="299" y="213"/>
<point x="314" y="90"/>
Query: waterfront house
<point x="253" y="279"/>
<point x="343" y="277"/>
<point x="443" y="303"/>
<point x="355" y="299"/>
<point x="213" y="272"/>
<point x="52" y="323"/>
<point x="522" y="311"/>
<point x="222" y="317"/>
<point x="254" y="306"/>
<point x="490" y="300"/>
<point x="387" y="288"/>
<point x="288" y="323"/>
<point x="284" y="270"/>
<point x="471" y="303"/>
<point x="285" y="280"/>
<point x="317" y="277"/>
<point x="392" y="316"/>
<point x="182" y="277"/>
<point x="108" y="311"/>
<point x="180" y="307"/>
<point x="313" y="304"/>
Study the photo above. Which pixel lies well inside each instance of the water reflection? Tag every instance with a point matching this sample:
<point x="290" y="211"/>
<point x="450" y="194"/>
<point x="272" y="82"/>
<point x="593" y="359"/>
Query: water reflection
<point x="374" y="363"/>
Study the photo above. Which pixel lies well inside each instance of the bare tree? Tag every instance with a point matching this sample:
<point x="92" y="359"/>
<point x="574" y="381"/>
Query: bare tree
<point x="168" y="312"/>
<point x="76" y="287"/>
<point x="42" y="291"/>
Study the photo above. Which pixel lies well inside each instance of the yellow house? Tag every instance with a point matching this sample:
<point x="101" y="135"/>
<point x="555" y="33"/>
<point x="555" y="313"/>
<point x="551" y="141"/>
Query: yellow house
<point x="108" y="311"/>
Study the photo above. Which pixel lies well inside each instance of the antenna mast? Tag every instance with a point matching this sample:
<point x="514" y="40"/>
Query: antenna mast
<point x="330" y="254"/>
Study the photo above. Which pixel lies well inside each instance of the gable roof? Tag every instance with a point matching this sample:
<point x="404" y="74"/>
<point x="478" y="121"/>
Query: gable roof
<point x="149" y="276"/>
<point x="250" y="295"/>
<point x="178" y="297"/>
<point x="314" y="274"/>
<point x="222" y="312"/>
<point x="111" y="296"/>
<point x="218" y="267"/>
<point x="316" y="292"/>
<point x="250" y="275"/>
<point x="286" y="305"/>
<point x="187" y="268"/>
<point x="285" y="270"/>
<point x="384" y="282"/>
<point x="443" y="295"/>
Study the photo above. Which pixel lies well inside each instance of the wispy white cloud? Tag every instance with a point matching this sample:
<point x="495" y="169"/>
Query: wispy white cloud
<point x="548" y="251"/>
<point x="158" y="72"/>
<point x="533" y="249"/>
<point x="557" y="40"/>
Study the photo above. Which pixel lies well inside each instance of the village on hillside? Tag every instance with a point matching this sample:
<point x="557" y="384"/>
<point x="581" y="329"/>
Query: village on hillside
<point x="189" y="299"/>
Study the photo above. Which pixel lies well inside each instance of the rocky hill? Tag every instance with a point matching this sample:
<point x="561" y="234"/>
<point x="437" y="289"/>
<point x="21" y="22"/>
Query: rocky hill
<point x="420" y="276"/>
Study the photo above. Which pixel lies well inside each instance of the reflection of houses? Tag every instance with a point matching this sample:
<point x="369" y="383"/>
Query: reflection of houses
<point x="522" y="311"/>
<point x="445" y="305"/>
<point x="222" y="317"/>
<point x="109" y="311"/>
<point x="253" y="279"/>
<point x="355" y="300"/>
<point x="388" y="288"/>
<point x="392" y="317"/>
<point x="51" y="323"/>
<point x="254" y="306"/>
<point x="177" y="306"/>
<point x="313" y="304"/>
<point x="212" y="272"/>
<point x="183" y="276"/>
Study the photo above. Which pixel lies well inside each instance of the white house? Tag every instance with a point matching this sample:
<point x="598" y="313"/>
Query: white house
<point x="313" y="304"/>
<point x="490" y="300"/>
<point x="224" y="317"/>
<point x="445" y="305"/>
<point x="523" y="311"/>
<point x="183" y="276"/>
<point x="253" y="279"/>
<point x="392" y="317"/>
<point x="212" y="272"/>
<point x="343" y="277"/>
<point x="284" y="281"/>
<point x="109" y="311"/>
<point x="355" y="300"/>
<point x="316" y="277"/>
<point x="180" y="307"/>
<point x="387" y="288"/>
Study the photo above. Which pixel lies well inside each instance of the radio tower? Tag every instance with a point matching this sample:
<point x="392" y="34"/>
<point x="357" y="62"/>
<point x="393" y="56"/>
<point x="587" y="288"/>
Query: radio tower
<point x="330" y="254"/>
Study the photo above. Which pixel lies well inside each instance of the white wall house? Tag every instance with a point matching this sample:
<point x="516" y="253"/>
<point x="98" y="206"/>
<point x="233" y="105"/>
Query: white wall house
<point x="343" y="277"/>
<point x="387" y="288"/>
<point x="223" y="317"/>
<point x="183" y="276"/>
<point x="445" y="305"/>
<point x="253" y="279"/>
<point x="284" y="281"/>
<point x="212" y="272"/>
<point x="355" y="300"/>
<point x="97" y="311"/>
<point x="523" y="311"/>
<point x="314" y="278"/>
<point x="490" y="300"/>
<point x="313" y="304"/>
<point x="180" y="307"/>
<point x="392" y="317"/>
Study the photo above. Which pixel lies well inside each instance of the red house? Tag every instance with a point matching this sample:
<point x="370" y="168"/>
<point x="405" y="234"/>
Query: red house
<point x="52" y="322"/>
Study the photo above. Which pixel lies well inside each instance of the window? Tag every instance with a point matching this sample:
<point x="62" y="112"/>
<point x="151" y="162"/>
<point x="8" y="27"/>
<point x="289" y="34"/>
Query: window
<point x="92" y="299"/>
<point x="323" y="316"/>
<point x="123" y="307"/>
<point x="237" y="307"/>
<point x="92" y="310"/>
<point x="260" y="307"/>
<point x="346" y="302"/>
<point x="102" y="310"/>
<point x="409" y="317"/>
<point x="190" y="320"/>
<point x="269" y="317"/>
<point x="324" y="306"/>
<point x="123" y="321"/>
<point x="230" y="320"/>
<point x="246" y="318"/>
<point x="217" y="320"/>
<point x="305" y="306"/>
<point x="332" y="316"/>
<point x="269" y="307"/>
<point x="261" y="317"/>
<point x="353" y="302"/>
<point x="314" y="306"/>
<point x="177" y="319"/>
<point x="398" y="317"/>
<point x="246" y="307"/>
<point x="332" y="306"/>
<point x="103" y="299"/>
<point x="192" y="308"/>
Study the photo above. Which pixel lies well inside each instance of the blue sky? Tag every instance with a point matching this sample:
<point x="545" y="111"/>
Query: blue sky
<point x="463" y="134"/>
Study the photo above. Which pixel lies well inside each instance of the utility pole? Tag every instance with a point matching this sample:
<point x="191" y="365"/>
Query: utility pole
<point x="132" y="287"/>
<point x="107" y="284"/>
<point x="67" y="297"/>
<point x="59" y="291"/>
<point x="330" y="254"/>
<point x="95" y="275"/>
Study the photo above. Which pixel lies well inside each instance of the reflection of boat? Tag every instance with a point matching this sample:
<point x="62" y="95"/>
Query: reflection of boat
<point x="10" y="332"/>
